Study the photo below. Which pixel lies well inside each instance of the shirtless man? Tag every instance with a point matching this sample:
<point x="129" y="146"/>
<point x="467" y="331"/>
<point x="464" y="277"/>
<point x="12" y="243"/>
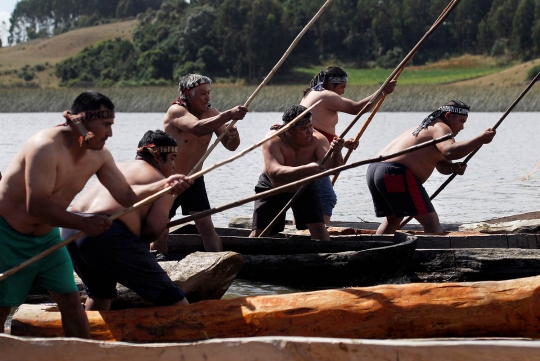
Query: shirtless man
<point x="121" y="253"/>
<point x="192" y="121"/>
<point x="37" y="188"/>
<point x="396" y="184"/>
<point x="291" y="156"/>
<point x="330" y="84"/>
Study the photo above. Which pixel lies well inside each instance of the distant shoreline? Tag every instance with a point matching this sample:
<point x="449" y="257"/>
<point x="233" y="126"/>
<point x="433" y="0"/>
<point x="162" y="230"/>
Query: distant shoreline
<point x="409" y="98"/>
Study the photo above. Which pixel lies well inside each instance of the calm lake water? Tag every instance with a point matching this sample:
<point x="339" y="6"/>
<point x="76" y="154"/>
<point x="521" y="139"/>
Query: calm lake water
<point x="491" y="186"/>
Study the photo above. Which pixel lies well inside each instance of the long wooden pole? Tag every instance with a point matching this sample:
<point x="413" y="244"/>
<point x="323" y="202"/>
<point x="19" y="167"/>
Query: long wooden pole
<point x="439" y="190"/>
<point x="56" y="247"/>
<point x="305" y="181"/>
<point x="264" y="82"/>
<point x="398" y="69"/>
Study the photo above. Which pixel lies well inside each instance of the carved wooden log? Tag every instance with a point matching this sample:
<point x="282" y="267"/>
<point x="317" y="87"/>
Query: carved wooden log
<point x="201" y="275"/>
<point x="482" y="309"/>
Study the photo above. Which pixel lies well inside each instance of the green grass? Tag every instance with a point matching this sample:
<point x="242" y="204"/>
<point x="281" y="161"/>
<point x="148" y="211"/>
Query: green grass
<point x="413" y="76"/>
<point x="421" y="98"/>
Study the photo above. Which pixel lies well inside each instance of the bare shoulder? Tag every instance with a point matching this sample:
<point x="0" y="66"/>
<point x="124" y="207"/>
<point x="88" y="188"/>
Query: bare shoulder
<point x="175" y="111"/>
<point x="320" y="138"/>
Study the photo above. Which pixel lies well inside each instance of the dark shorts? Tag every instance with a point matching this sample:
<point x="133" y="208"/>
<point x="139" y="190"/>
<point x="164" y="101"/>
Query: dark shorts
<point x="194" y="199"/>
<point x="306" y="209"/>
<point x="119" y="256"/>
<point x="396" y="191"/>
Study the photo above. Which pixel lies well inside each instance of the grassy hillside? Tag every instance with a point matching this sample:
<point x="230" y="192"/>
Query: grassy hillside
<point x="45" y="53"/>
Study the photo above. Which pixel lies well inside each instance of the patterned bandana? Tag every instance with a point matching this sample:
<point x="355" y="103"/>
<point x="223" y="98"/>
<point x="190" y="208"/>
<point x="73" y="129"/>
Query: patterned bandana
<point x="76" y="120"/>
<point x="191" y="81"/>
<point x="332" y="79"/>
<point x="153" y="149"/>
<point x="437" y="113"/>
<point x="298" y="123"/>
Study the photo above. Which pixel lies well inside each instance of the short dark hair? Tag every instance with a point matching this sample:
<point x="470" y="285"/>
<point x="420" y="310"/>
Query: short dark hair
<point x="157" y="137"/>
<point x="293" y="111"/>
<point x="90" y="100"/>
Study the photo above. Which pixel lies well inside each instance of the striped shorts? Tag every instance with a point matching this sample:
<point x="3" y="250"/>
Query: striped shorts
<point x="397" y="191"/>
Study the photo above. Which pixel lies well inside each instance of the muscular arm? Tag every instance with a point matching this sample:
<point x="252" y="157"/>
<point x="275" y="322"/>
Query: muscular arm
<point x="231" y="140"/>
<point x="274" y="164"/>
<point x="156" y="220"/>
<point x="337" y="103"/>
<point x="455" y="150"/>
<point x="335" y="159"/>
<point x="181" y="118"/>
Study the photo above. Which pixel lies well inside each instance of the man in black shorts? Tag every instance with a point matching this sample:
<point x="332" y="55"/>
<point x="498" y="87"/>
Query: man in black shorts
<point x="289" y="157"/>
<point x="192" y="121"/>
<point x="121" y="254"/>
<point x="396" y="184"/>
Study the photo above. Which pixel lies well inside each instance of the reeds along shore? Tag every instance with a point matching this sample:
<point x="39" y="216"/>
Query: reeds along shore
<point x="418" y="98"/>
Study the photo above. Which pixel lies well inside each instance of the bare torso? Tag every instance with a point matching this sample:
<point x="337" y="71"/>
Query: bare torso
<point x="71" y="172"/>
<point x="323" y="118"/>
<point x="421" y="162"/>
<point x="191" y="147"/>
<point x="97" y="199"/>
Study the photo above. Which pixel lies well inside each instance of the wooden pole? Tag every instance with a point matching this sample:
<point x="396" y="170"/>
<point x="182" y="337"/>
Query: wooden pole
<point x="283" y="188"/>
<point x="249" y="149"/>
<point x="65" y="242"/>
<point x="398" y="69"/>
<point x="264" y="82"/>
<point x="439" y="190"/>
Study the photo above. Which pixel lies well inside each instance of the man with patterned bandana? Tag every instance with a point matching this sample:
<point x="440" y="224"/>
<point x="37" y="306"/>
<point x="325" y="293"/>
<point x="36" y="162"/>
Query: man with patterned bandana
<point x="329" y="85"/>
<point x="396" y="184"/>
<point x="192" y="121"/>
<point x="35" y="192"/>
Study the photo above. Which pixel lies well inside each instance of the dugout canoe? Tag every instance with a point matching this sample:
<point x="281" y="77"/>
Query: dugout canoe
<point x="281" y="348"/>
<point x="420" y="310"/>
<point x="303" y="263"/>
<point x="201" y="275"/>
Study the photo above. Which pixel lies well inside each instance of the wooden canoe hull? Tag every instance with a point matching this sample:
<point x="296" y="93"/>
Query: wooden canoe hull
<point x="472" y="264"/>
<point x="186" y="240"/>
<point x="426" y="310"/>
<point x="270" y="349"/>
<point x="304" y="263"/>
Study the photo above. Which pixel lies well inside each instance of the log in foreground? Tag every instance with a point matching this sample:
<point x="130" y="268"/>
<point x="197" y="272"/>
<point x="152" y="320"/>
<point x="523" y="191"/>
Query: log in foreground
<point x="269" y="349"/>
<point x="201" y="275"/>
<point x="482" y="309"/>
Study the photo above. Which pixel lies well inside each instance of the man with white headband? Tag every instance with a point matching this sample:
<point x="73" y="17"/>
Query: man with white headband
<point x="38" y="186"/>
<point x="192" y="121"/>
<point x="329" y="85"/>
<point x="289" y="157"/>
<point x="121" y="254"/>
<point x="396" y="184"/>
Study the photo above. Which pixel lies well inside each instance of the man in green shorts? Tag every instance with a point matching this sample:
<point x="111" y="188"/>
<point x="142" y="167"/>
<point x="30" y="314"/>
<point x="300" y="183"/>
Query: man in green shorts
<point x="35" y="192"/>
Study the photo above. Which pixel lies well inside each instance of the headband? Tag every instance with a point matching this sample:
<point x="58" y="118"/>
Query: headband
<point x="298" y="123"/>
<point x="437" y="113"/>
<point x="153" y="149"/>
<point x="76" y="120"/>
<point x="331" y="79"/>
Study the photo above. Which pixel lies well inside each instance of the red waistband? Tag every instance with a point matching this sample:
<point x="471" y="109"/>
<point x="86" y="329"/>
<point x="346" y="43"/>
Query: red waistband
<point x="328" y="136"/>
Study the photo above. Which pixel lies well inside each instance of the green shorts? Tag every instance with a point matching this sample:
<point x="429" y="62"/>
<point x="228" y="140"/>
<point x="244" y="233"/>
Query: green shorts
<point x="53" y="273"/>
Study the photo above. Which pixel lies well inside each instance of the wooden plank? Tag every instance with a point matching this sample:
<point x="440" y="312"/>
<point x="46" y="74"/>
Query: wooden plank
<point x="491" y="241"/>
<point x="433" y="242"/>
<point x="270" y="349"/>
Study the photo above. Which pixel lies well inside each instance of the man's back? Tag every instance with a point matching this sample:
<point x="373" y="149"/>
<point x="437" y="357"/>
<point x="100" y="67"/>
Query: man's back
<point x="98" y="200"/>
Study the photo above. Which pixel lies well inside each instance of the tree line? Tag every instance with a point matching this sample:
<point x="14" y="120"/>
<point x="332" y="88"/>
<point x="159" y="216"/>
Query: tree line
<point x="243" y="39"/>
